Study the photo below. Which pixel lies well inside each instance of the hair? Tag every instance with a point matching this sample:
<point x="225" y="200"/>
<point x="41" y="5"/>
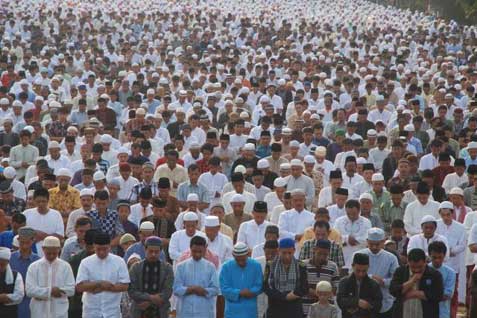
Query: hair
<point x="416" y="255"/>
<point x="82" y="221"/>
<point x="321" y="224"/>
<point x="101" y="195"/>
<point x="193" y="167"/>
<point x="437" y="247"/>
<point x="19" y="218"/>
<point x="41" y="192"/>
<point x="198" y="240"/>
<point x="352" y="204"/>
<point x="397" y="224"/>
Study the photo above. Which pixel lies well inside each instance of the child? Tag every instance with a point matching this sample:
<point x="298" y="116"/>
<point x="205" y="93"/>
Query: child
<point x="323" y="308"/>
<point x="398" y="236"/>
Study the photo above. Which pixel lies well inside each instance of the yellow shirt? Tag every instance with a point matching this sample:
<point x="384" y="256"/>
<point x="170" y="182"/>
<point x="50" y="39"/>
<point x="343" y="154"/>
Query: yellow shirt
<point x="64" y="202"/>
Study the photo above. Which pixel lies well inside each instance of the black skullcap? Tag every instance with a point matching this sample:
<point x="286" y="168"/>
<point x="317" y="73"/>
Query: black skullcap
<point x="368" y="166"/>
<point x="396" y="189"/>
<point x="276" y="147"/>
<point x="272" y="229"/>
<point x="164" y="183"/>
<point x="444" y="156"/>
<point x="335" y="174"/>
<point x="102" y="238"/>
<point x="89" y="236"/>
<point x="271" y="244"/>
<point x="342" y="191"/>
<point x="236" y="176"/>
<point x="97" y="148"/>
<point x="459" y="162"/>
<point x="350" y="159"/>
<point x="145" y="193"/>
<point x="472" y="169"/>
<point x="360" y="259"/>
<point x="260" y="206"/>
<point x="159" y="203"/>
<point x="265" y="133"/>
<point x="325" y="244"/>
<point x="123" y="203"/>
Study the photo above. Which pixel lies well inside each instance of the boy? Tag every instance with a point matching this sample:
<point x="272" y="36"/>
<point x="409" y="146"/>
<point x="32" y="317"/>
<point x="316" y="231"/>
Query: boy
<point x="398" y="236"/>
<point x="323" y="308"/>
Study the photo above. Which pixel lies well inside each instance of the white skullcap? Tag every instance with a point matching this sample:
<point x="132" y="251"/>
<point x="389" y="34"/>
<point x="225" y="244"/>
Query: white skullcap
<point x="263" y="164"/>
<point x="237" y="198"/>
<point x="372" y="133"/>
<point x="285" y="166"/>
<point x="106" y="139"/>
<point x="296" y="163"/>
<point x="446" y="205"/>
<point x="472" y="145"/>
<point x="409" y="128"/>
<point x="54" y="145"/>
<point x="309" y="159"/>
<point x="280" y="182"/>
<point x="98" y="175"/>
<point x="294" y="144"/>
<point x="457" y="191"/>
<point x="360" y="161"/>
<point x="4" y="101"/>
<point x="86" y="192"/>
<point x="320" y="151"/>
<point x="249" y="147"/>
<point x="64" y="172"/>
<point x="240" y="168"/>
<point x="146" y="226"/>
<point x="377" y="177"/>
<point x="122" y="150"/>
<point x="192" y="197"/>
<point x="366" y="196"/>
<point x="51" y="241"/>
<point x="190" y="216"/>
<point x="427" y="219"/>
<point x="9" y="173"/>
<point x="211" y="221"/>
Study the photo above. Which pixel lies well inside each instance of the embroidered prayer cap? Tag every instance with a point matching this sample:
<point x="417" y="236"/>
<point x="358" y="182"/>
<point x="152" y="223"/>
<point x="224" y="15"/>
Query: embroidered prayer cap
<point x="375" y="234"/>
<point x="51" y="241"/>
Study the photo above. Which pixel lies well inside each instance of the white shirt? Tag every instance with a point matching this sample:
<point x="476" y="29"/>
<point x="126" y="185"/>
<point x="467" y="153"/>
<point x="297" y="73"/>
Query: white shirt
<point x="419" y="241"/>
<point x="126" y="186"/>
<point x="272" y="201"/>
<point x="71" y="157"/>
<point x="457" y="239"/>
<point x="18" y="289"/>
<point x="276" y="212"/>
<point x="357" y="229"/>
<point x="180" y="242"/>
<point x="351" y="182"/>
<point x="214" y="183"/>
<point x="428" y="162"/>
<point x="137" y="211"/>
<point x="18" y="189"/>
<point x="112" y="269"/>
<point x="376" y="115"/>
<point x="453" y="180"/>
<point x="414" y="213"/>
<point x="249" y="201"/>
<point x="237" y="141"/>
<point x="252" y="233"/>
<point x="50" y="223"/>
<point x="378" y="157"/>
<point x="361" y="187"/>
<point x="335" y="212"/>
<point x="325" y="198"/>
<point x="221" y="246"/>
<point x="469" y="221"/>
<point x="41" y="277"/>
<point x="473" y="239"/>
<point x="61" y="162"/>
<point x="325" y="167"/>
<point x="292" y="222"/>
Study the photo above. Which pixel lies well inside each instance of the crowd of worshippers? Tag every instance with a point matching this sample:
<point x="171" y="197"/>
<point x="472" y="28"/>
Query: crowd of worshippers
<point x="237" y="159"/>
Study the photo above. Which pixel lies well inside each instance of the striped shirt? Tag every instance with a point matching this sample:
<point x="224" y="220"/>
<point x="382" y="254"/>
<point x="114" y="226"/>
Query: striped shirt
<point x="328" y="272"/>
<point x="336" y="252"/>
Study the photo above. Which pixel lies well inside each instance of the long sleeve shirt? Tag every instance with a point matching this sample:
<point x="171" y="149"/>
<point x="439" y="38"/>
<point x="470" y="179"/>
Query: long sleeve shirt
<point x="42" y="276"/>
<point x="304" y="183"/>
<point x="448" y="278"/>
<point x="419" y="241"/>
<point x="383" y="264"/>
<point x="252" y="233"/>
<point x="195" y="273"/>
<point x="457" y="239"/>
<point x="357" y="229"/>
<point x="233" y="279"/>
<point x="292" y="222"/>
<point x="20" y="154"/>
<point x="221" y="246"/>
<point x="113" y="269"/>
<point x="180" y="242"/>
<point x="414" y="213"/>
<point x="16" y="296"/>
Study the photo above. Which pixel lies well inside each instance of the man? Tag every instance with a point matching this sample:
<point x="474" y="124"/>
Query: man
<point x="351" y="179"/>
<point x="104" y="219"/>
<point x="252" y="232"/>
<point x="382" y="265"/>
<point x="180" y="240"/>
<point x="192" y="185"/>
<point x="241" y="283"/>
<point x="64" y="198"/>
<point x="23" y="155"/>
<point x="238" y="216"/>
<point x="76" y="305"/>
<point x="11" y="286"/>
<point x="419" y="208"/>
<point x="354" y="231"/>
<point x="292" y="223"/>
<point x="76" y="244"/>
<point x="298" y="180"/>
<point x="428" y="235"/>
<point x="86" y="201"/>
<point x="43" y="220"/>
<point x="320" y="268"/>
<point x="366" y="203"/>
<point x="457" y="178"/>
<point x="49" y="282"/>
<point x="196" y="284"/>
<point x="327" y="195"/>
<point x="272" y="233"/>
<point x="146" y="229"/>
<point x="18" y="220"/>
<point x="217" y="209"/>
<point x="270" y="251"/>
<point x="192" y="202"/>
<point x="338" y="209"/>
<point x="392" y="209"/>
<point x="456" y="235"/>
<point x="151" y="283"/>
<point x="220" y="244"/>
<point x="126" y="181"/>
<point x="10" y="203"/>
<point x="21" y="260"/>
<point x="321" y="232"/>
<point x="147" y="182"/>
<point x="102" y="278"/>
<point x="238" y="183"/>
<point x="437" y="253"/>
<point x="285" y="282"/>
<point x="171" y="170"/>
<point x="163" y="226"/>
<point x="143" y="208"/>
<point x="417" y="287"/>
<point x="358" y="294"/>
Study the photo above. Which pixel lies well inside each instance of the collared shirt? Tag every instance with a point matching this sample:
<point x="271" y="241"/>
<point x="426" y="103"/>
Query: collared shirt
<point x="139" y="212"/>
<point x="293" y="222"/>
<point x="304" y="183"/>
<point x="41" y="278"/>
<point x="70" y="248"/>
<point x="214" y="183"/>
<point x="19" y="154"/>
<point x="186" y="188"/>
<point x="448" y="280"/>
<point x="126" y="186"/>
<point x="109" y="223"/>
<point x="351" y="182"/>
<point x="390" y="212"/>
<point x="428" y="162"/>
<point x="64" y="201"/>
<point x="357" y="229"/>
<point x="133" y="197"/>
<point x="57" y="164"/>
<point x="336" y="252"/>
<point x="179" y="223"/>
<point x="383" y="264"/>
<point x="250" y="199"/>
<point x="16" y="206"/>
<point x="454" y="180"/>
<point x="177" y="175"/>
<point x="252" y="233"/>
<point x="196" y="273"/>
<point x="335" y="212"/>
<point x="112" y="269"/>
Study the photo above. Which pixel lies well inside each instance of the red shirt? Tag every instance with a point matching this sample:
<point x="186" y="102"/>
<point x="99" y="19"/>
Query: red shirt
<point x="163" y="160"/>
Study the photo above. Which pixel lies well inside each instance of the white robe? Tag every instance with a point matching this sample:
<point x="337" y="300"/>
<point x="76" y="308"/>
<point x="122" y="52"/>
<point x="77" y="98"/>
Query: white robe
<point x="414" y="213"/>
<point x="42" y="276"/>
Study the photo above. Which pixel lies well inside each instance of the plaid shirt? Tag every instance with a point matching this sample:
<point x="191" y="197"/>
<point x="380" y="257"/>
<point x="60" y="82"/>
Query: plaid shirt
<point x="133" y="197"/>
<point x="109" y="224"/>
<point x="103" y="165"/>
<point x="16" y="206"/>
<point x="336" y="252"/>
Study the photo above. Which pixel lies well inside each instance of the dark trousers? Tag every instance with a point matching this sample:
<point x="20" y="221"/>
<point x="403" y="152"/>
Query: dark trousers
<point x="220" y="306"/>
<point x="387" y="314"/>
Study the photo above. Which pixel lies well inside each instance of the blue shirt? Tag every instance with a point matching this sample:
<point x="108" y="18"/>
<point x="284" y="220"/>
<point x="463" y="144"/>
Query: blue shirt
<point x="196" y="273"/>
<point x="448" y="279"/>
<point x="383" y="264"/>
<point x="20" y="264"/>
<point x="6" y="240"/>
<point x="263" y="151"/>
<point x="186" y="188"/>
<point x="233" y="279"/>
<point x="140" y="250"/>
